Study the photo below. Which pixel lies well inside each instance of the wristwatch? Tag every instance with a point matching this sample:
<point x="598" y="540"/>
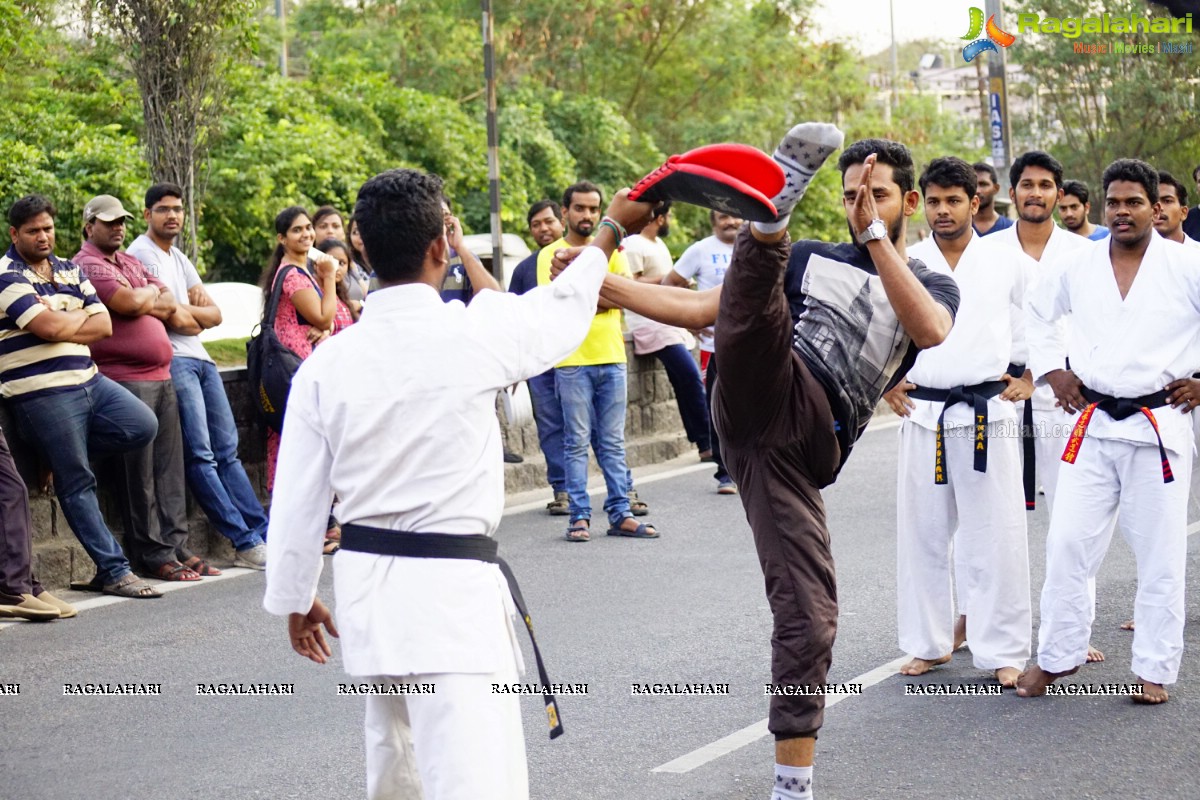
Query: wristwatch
<point x="876" y="230"/>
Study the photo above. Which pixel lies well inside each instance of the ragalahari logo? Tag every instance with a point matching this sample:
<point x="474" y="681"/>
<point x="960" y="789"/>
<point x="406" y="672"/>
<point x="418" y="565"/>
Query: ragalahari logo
<point x="995" y="36"/>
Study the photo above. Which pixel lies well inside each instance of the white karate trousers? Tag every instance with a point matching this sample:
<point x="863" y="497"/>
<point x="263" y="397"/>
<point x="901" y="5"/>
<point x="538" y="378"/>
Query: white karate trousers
<point x="1052" y="430"/>
<point x="1110" y="476"/>
<point x="462" y="742"/>
<point x="976" y="520"/>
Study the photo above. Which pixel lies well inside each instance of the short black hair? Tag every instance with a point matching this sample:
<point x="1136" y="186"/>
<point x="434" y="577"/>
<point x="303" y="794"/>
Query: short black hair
<point x="663" y="207"/>
<point x="1078" y="189"/>
<point x="1196" y="172"/>
<point x="949" y="172"/>
<point x="894" y="154"/>
<point x="983" y="166"/>
<point x="582" y="187"/>
<point x="1035" y="158"/>
<point x="325" y="211"/>
<point x="399" y="214"/>
<point x="539" y="207"/>
<point x="28" y="207"/>
<point x="1167" y="179"/>
<point x="1134" y="171"/>
<point x="160" y="190"/>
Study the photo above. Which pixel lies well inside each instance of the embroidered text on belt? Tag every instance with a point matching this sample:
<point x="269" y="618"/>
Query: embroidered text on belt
<point x="1118" y="408"/>
<point x="477" y="547"/>
<point x="976" y="396"/>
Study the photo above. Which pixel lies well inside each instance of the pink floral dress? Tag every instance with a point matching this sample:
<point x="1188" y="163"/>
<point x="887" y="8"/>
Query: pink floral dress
<point x="294" y="335"/>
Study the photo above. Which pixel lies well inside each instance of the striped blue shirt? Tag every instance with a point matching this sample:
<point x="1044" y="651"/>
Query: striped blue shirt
<point x="30" y="365"/>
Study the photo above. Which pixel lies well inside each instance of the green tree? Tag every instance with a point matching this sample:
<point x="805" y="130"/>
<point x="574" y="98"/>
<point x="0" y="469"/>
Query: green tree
<point x="1092" y="109"/>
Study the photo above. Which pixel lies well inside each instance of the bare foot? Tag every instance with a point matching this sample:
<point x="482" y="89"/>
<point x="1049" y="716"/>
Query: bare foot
<point x="919" y="666"/>
<point x="1008" y="676"/>
<point x="1153" y="694"/>
<point x="1127" y="625"/>
<point x="960" y="633"/>
<point x="1034" y="680"/>
<point x="1094" y="655"/>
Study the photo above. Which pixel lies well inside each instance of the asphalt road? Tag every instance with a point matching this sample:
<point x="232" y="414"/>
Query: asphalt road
<point x="687" y="608"/>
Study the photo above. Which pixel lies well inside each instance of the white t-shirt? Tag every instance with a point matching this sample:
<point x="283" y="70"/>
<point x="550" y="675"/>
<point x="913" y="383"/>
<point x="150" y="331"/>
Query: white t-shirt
<point x="706" y="262"/>
<point x="179" y="274"/>
<point x="650" y="258"/>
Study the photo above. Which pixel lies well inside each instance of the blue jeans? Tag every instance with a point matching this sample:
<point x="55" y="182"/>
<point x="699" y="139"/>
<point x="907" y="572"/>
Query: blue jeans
<point x="547" y="412"/>
<point x="210" y="447"/>
<point x="96" y="419"/>
<point x="689" y="393"/>
<point x="594" y="396"/>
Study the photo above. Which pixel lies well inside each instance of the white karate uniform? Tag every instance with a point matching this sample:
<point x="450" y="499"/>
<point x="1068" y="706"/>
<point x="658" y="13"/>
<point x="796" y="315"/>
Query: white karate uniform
<point x="1051" y="424"/>
<point x="979" y="516"/>
<point x="1125" y="348"/>
<point x="396" y="416"/>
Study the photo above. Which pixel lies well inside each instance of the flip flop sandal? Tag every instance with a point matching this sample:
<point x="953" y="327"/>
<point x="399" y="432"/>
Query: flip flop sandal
<point x="578" y="534"/>
<point x="637" y="507"/>
<point x="133" y="587"/>
<point x="201" y="567"/>
<point x="642" y="531"/>
<point x="174" y="571"/>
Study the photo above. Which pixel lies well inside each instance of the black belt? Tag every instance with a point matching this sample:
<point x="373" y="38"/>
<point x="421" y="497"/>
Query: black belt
<point x="1028" y="446"/>
<point x="476" y="547"/>
<point x="1118" y="408"/>
<point x="976" y="396"/>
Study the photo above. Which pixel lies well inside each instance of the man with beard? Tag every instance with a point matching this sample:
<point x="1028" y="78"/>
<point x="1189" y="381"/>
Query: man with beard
<point x="151" y="494"/>
<point x="957" y="406"/>
<point x="1132" y="351"/>
<point x="650" y="262"/>
<point x="1172" y="210"/>
<point x="591" y="385"/>
<point x="806" y="351"/>
<point x="706" y="262"/>
<point x="545" y="225"/>
<point x="987" y="219"/>
<point x="1074" y="209"/>
<point x="1037" y="180"/>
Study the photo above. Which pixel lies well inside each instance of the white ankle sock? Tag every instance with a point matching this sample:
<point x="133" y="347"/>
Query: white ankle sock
<point x="800" y="154"/>
<point x="792" y="783"/>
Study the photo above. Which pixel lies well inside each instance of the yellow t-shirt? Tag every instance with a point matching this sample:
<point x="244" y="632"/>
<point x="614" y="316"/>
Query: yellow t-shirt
<point x="605" y="343"/>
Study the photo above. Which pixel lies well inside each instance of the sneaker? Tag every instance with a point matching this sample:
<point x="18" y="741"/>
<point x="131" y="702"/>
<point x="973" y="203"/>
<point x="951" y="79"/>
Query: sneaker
<point x="512" y="458"/>
<point x="560" y="506"/>
<point x="727" y="487"/>
<point x="253" y="558"/>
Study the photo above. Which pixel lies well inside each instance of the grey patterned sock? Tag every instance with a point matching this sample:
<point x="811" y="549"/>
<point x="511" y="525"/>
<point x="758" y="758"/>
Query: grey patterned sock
<point x="800" y="154"/>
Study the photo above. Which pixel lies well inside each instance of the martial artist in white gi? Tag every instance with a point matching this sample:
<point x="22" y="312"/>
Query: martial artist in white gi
<point x="1134" y="301"/>
<point x="945" y="504"/>
<point x="1036" y="187"/>
<point x="396" y="417"/>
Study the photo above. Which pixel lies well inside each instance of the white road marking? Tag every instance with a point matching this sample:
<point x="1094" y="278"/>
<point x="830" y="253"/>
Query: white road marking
<point x="101" y="600"/>
<point x="752" y="733"/>
<point x="599" y="490"/>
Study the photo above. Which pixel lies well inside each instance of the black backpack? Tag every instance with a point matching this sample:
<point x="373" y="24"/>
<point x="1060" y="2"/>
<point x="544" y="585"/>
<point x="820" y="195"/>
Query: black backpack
<point x="270" y="365"/>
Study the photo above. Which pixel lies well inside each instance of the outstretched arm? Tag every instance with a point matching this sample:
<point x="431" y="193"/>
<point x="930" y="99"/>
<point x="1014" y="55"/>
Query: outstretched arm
<point x="670" y="305"/>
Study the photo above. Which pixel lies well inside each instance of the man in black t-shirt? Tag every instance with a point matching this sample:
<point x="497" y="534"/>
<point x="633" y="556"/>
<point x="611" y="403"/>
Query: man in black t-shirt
<point x="809" y="338"/>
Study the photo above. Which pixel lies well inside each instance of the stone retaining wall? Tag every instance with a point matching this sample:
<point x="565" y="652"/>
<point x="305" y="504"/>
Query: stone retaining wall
<point x="653" y="432"/>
